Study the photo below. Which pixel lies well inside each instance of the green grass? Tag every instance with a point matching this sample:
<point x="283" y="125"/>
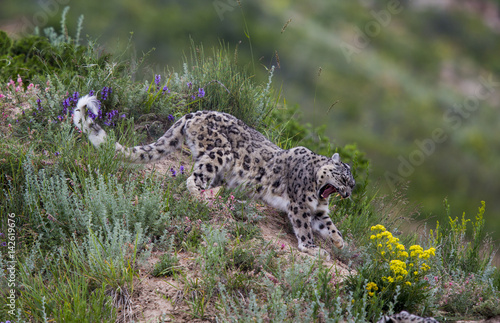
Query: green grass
<point x="86" y="223"/>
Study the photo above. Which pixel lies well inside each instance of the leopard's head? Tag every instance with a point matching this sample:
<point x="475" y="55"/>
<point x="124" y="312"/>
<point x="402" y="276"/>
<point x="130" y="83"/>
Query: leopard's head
<point x="335" y="177"/>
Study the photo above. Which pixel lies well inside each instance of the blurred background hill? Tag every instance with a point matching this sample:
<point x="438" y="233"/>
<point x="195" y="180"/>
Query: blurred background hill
<point x="417" y="84"/>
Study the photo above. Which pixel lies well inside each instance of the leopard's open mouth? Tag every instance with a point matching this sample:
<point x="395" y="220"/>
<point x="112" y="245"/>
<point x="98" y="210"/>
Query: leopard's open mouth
<point x="326" y="190"/>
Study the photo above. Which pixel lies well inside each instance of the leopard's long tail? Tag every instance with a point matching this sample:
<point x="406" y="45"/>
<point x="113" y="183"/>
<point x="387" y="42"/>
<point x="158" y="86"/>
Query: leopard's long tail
<point x="169" y="142"/>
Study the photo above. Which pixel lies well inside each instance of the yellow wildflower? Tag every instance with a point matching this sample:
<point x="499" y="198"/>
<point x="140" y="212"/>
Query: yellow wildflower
<point x="386" y="234"/>
<point x="417" y="250"/>
<point x="371" y="293"/>
<point x="425" y="267"/>
<point x="408" y="283"/>
<point x="372" y="237"/>
<point x="398" y="267"/>
<point x="378" y="227"/>
<point x="371" y="285"/>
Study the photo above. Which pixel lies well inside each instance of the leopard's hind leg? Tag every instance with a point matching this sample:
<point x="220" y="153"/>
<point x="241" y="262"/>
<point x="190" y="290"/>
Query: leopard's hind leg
<point x="211" y="164"/>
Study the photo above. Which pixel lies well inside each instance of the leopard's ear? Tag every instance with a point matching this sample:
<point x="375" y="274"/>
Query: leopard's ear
<point x="336" y="157"/>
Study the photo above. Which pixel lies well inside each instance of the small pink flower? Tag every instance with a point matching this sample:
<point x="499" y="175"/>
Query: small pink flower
<point x="282" y="246"/>
<point x="2" y="96"/>
<point x="19" y="79"/>
<point x="11" y="82"/>
<point x="10" y="126"/>
<point x="31" y="86"/>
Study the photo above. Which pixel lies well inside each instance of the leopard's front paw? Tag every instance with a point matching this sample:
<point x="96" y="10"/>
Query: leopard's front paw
<point x="337" y="239"/>
<point x="314" y="251"/>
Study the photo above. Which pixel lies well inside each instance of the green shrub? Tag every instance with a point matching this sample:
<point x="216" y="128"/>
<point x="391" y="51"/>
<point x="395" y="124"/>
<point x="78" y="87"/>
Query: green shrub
<point x="166" y="266"/>
<point x="33" y="57"/>
<point x="458" y="252"/>
<point x="61" y="207"/>
<point x="228" y="87"/>
<point x="64" y="290"/>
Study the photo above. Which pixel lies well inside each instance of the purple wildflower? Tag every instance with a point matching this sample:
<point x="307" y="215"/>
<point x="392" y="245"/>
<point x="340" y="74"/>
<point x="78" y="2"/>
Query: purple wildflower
<point x="165" y="90"/>
<point x="105" y="93"/>
<point x="76" y="96"/>
<point x="157" y="80"/>
<point x="122" y="116"/>
<point x="91" y="93"/>
<point x="189" y="85"/>
<point x="4" y="244"/>
<point x="201" y="92"/>
<point x="57" y="153"/>
<point x="39" y="104"/>
<point x="174" y="173"/>
<point x="66" y="105"/>
<point x="171" y="117"/>
<point x="181" y="169"/>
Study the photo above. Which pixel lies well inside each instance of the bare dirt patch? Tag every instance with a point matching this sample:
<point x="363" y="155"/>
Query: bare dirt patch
<point x="163" y="299"/>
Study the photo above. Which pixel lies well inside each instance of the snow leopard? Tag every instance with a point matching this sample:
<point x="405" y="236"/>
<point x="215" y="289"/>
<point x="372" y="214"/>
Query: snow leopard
<point x="227" y="151"/>
<point x="405" y="317"/>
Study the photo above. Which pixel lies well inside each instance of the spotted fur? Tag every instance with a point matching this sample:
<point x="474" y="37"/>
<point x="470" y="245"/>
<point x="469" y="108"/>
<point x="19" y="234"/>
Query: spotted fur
<point x="227" y="151"/>
<point x="405" y="317"/>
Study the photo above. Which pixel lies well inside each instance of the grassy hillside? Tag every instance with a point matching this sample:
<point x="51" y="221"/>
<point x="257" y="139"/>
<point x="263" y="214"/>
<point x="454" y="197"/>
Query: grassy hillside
<point x="85" y="237"/>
